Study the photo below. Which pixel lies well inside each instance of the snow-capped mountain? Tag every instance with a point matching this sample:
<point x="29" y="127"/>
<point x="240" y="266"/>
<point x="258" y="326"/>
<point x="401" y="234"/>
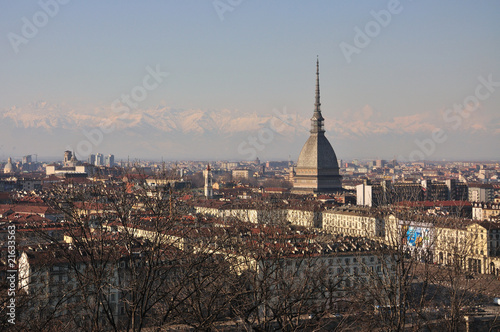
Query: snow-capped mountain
<point x="154" y="132"/>
<point x="49" y="129"/>
<point x="50" y="117"/>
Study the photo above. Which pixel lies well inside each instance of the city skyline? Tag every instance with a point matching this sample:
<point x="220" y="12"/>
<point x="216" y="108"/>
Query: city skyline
<point x="208" y="77"/>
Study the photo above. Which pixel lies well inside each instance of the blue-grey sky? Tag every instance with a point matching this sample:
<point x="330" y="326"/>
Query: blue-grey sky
<point x="255" y="56"/>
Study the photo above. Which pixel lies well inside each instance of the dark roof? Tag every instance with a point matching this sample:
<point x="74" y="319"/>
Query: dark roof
<point x="317" y="152"/>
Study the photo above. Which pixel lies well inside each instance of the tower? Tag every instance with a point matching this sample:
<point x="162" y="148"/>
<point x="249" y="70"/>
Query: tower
<point x="67" y="157"/>
<point x="73" y="161"/>
<point x="207" y="173"/>
<point x="317" y="168"/>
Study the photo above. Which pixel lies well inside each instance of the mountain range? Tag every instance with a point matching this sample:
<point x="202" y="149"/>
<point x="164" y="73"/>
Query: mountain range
<point x="49" y="129"/>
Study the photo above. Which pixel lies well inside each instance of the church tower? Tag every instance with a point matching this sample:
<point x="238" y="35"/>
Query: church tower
<point x="317" y="169"/>
<point x="208" y="182"/>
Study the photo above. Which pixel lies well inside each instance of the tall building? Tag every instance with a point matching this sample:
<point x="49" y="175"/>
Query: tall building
<point x="481" y="192"/>
<point x="99" y="159"/>
<point x="110" y="160"/>
<point x="208" y="182"/>
<point x="317" y="169"/>
<point x="27" y="159"/>
<point x="458" y="191"/>
<point x="91" y="159"/>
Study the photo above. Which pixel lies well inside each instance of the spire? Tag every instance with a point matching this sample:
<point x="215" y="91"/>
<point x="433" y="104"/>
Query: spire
<point x="317" y="118"/>
<point x="317" y="104"/>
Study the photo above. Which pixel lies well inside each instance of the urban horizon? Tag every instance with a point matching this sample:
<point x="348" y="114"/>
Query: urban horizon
<point x="232" y="165"/>
<point x="400" y="79"/>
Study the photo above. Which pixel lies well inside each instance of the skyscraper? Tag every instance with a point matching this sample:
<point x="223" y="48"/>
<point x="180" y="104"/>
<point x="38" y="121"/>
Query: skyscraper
<point x="110" y="160"/>
<point x="317" y="169"/>
<point x="99" y="159"/>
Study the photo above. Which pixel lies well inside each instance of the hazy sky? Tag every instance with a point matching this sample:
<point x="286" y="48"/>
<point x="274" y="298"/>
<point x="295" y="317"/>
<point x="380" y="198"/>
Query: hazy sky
<point x="255" y="56"/>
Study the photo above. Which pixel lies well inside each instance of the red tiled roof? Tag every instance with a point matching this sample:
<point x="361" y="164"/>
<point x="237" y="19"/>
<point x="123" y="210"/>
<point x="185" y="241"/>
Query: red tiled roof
<point x="28" y="209"/>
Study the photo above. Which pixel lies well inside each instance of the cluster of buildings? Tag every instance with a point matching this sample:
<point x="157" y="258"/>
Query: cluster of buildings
<point x="385" y="225"/>
<point x="25" y="165"/>
<point x="287" y="253"/>
<point x="343" y="222"/>
<point x="347" y="244"/>
<point x="101" y="160"/>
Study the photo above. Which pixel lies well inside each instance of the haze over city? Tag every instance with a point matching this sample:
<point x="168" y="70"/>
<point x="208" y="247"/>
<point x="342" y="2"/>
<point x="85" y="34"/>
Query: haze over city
<point x="399" y="79"/>
<point x="232" y="165"/>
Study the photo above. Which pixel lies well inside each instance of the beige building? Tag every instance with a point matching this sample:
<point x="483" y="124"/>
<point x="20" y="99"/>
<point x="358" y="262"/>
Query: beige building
<point x="354" y="222"/>
<point x="346" y="270"/>
<point x="241" y="174"/>
<point x="474" y="246"/>
<point x="485" y="211"/>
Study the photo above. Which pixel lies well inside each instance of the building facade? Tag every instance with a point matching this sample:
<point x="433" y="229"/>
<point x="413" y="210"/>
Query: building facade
<point x="481" y="193"/>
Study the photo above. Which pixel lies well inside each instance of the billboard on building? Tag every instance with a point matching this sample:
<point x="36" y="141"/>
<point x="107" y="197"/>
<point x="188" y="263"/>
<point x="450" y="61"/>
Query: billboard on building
<point x="417" y="235"/>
